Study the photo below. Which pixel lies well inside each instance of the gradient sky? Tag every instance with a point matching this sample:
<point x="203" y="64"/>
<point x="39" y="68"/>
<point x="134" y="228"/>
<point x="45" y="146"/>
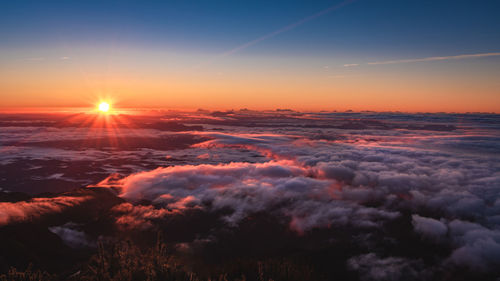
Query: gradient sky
<point x="306" y="55"/>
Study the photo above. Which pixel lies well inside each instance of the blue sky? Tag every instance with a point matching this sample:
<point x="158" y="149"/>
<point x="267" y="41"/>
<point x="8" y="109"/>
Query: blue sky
<point x="366" y="27"/>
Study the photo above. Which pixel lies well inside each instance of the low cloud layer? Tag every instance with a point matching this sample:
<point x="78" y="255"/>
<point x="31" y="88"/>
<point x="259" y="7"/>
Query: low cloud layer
<point x="310" y="184"/>
<point x="35" y="208"/>
<point x="389" y="196"/>
<point x="275" y="187"/>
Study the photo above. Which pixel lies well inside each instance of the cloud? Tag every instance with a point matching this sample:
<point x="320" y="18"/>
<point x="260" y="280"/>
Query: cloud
<point x="374" y="268"/>
<point x="393" y="184"/>
<point x="70" y="234"/>
<point x="474" y="245"/>
<point x="129" y="216"/>
<point x="351" y="64"/>
<point x="478" y="246"/>
<point x="397" y="175"/>
<point x="427" y="59"/>
<point x="458" y="57"/>
<point x="310" y="184"/>
<point x="35" y="208"/>
<point x="278" y="187"/>
<point x="429" y="228"/>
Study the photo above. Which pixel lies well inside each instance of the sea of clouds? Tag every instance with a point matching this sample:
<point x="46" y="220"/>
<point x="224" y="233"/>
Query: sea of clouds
<point x="444" y="184"/>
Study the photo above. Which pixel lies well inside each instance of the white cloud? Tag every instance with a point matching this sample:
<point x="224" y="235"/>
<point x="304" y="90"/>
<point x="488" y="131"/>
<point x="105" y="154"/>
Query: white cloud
<point x="429" y="59"/>
<point x="457" y="57"/>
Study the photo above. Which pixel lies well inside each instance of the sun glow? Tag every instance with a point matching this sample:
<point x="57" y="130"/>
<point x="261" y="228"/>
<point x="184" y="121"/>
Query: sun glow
<point x="104" y="107"/>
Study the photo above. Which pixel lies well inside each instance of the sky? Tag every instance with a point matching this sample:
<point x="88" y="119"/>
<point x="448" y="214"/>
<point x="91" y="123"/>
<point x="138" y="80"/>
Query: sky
<point x="307" y="55"/>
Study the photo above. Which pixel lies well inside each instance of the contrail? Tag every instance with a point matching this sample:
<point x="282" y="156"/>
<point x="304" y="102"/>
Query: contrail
<point x="459" y="57"/>
<point x="279" y="31"/>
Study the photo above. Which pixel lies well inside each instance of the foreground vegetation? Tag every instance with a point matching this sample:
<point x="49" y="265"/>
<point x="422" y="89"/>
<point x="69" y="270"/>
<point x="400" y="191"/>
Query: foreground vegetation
<point x="126" y="261"/>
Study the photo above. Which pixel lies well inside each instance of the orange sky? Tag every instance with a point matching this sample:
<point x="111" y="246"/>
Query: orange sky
<point x="133" y="78"/>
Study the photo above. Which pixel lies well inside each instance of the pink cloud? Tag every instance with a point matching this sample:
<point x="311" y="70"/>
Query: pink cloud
<point x="37" y="207"/>
<point x="138" y="217"/>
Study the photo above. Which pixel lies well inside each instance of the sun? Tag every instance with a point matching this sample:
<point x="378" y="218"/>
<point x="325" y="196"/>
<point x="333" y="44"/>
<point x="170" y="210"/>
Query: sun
<point x="104" y="107"/>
